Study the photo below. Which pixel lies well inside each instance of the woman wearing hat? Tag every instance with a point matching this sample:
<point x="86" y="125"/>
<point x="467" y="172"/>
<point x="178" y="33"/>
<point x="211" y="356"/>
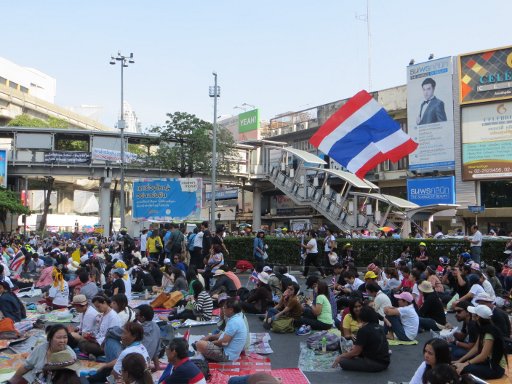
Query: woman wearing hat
<point x="431" y="313"/>
<point x="484" y="359"/>
<point x="50" y="361"/>
<point x="422" y="254"/>
<point x="259" y="298"/>
<point x="223" y="283"/>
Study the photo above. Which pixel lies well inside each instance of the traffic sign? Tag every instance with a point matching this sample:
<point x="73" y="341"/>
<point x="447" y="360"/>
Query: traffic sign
<point x="476" y="209"/>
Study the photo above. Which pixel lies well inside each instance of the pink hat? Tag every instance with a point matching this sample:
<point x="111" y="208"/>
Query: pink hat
<point x="372" y="267"/>
<point x="405" y="296"/>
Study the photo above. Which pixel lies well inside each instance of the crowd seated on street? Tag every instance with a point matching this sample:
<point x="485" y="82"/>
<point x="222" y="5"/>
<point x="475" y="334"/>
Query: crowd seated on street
<point x="370" y="307"/>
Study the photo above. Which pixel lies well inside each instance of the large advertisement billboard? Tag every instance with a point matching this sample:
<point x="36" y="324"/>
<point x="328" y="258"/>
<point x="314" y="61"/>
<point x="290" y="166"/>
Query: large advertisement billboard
<point x="248" y="125"/>
<point x="485" y="75"/>
<point x="487" y="141"/>
<point x="167" y="199"/>
<point x="430" y="114"/>
<point x="432" y="190"/>
<point x="3" y="168"/>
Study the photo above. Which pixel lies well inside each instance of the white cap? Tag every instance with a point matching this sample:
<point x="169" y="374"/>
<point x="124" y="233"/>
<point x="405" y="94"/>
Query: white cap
<point x="482" y="311"/>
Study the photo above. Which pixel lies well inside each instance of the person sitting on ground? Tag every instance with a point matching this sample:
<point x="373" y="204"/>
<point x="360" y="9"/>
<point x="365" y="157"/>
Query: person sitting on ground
<point x="144" y="314"/>
<point x="192" y="276"/>
<point x="91" y="343"/>
<point x="260" y="298"/>
<point x="134" y="369"/>
<point x="466" y="338"/>
<point x="318" y="314"/>
<point x="120" y="305"/>
<point x="255" y="378"/>
<point x="288" y="307"/>
<point x="457" y="280"/>
<point x="499" y="317"/>
<point x="370" y="352"/>
<point x="214" y="262"/>
<point x="32" y="368"/>
<point x="475" y="281"/>
<point x="87" y="315"/>
<point x="202" y="305"/>
<point x="10" y="305"/>
<point x="351" y="321"/>
<point x="380" y="299"/>
<point x="118" y="284"/>
<point x="45" y="279"/>
<point x="274" y="283"/>
<point x="369" y="277"/>
<point x="223" y="284"/>
<point x="229" y="273"/>
<point x="58" y="294"/>
<point x="403" y="321"/>
<point x="435" y="351"/>
<point x="446" y="373"/>
<point x="431" y="313"/>
<point x="227" y="345"/>
<point x="178" y="263"/>
<point x="422" y="255"/>
<point x="484" y="358"/>
<point x="4" y="277"/>
<point x="183" y="370"/>
<point x="178" y="280"/>
<point x="393" y="281"/>
<point x="89" y="287"/>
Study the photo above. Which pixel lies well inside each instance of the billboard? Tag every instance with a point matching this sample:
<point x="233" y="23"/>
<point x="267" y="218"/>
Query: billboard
<point x="432" y="190"/>
<point x="167" y="199"/>
<point x="3" y="168"/>
<point x="223" y="194"/>
<point x="248" y="125"/>
<point x="485" y="75"/>
<point x="487" y="141"/>
<point x="67" y="157"/>
<point x="430" y="114"/>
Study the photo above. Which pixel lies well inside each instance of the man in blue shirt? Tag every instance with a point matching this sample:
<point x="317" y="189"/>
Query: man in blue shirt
<point x="227" y="345"/>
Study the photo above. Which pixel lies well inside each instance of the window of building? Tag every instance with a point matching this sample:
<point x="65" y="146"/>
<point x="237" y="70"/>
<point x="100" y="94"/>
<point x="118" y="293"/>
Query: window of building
<point x="3" y="80"/>
<point x="23" y="89"/>
<point x="496" y="194"/>
<point x="13" y="85"/>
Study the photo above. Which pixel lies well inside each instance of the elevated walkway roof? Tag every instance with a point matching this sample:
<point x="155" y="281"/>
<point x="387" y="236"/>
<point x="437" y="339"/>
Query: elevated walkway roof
<point x="348" y="177"/>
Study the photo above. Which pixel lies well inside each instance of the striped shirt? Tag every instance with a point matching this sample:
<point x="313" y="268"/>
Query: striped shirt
<point x="203" y="306"/>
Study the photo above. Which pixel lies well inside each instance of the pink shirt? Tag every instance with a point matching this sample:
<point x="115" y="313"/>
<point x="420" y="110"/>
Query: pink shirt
<point x="46" y="278"/>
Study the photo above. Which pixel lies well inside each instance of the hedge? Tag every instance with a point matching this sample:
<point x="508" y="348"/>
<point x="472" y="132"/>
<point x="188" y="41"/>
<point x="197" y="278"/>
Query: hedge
<point x="286" y="251"/>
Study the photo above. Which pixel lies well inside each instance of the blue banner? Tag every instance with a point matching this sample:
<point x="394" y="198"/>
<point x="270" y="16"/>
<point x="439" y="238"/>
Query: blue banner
<point x="223" y="194"/>
<point x="434" y="190"/>
<point x="167" y="199"/>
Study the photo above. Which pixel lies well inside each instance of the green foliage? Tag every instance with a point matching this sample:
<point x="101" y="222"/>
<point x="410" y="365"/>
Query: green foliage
<point x="72" y="145"/>
<point x="10" y="202"/>
<point x="186" y="146"/>
<point x="25" y="120"/>
<point x="286" y="251"/>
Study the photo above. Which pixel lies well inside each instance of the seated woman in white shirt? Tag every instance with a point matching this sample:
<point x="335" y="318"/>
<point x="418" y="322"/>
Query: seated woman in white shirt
<point x="435" y="351"/>
<point x="58" y="295"/>
<point x="120" y="305"/>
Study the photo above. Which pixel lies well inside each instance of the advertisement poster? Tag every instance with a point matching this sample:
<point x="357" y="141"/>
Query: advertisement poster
<point x="167" y="199"/>
<point x="487" y="141"/>
<point x="432" y="190"/>
<point x="67" y="157"/>
<point x="430" y="114"/>
<point x="248" y="125"/>
<point x="3" y="168"/>
<point x="485" y="75"/>
<point x="112" y="155"/>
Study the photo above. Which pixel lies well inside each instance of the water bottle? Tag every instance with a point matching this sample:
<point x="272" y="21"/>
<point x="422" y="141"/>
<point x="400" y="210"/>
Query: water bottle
<point x="146" y="294"/>
<point x="324" y="344"/>
<point x="32" y="291"/>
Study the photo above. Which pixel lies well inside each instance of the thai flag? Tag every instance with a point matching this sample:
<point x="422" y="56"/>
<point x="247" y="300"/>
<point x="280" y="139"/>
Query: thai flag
<point x="254" y="277"/>
<point x="361" y="134"/>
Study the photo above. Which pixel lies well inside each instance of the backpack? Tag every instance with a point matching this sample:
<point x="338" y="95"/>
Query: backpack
<point x="315" y="341"/>
<point x="191" y="242"/>
<point x="203" y="367"/>
<point x="283" y="325"/>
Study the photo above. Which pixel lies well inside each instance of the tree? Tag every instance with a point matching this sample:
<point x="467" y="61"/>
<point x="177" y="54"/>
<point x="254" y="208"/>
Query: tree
<point x="186" y="146"/>
<point x="25" y="120"/>
<point x="49" y="182"/>
<point x="10" y="203"/>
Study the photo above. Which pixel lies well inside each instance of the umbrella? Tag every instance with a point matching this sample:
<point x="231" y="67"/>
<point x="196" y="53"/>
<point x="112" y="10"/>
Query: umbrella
<point x="386" y="229"/>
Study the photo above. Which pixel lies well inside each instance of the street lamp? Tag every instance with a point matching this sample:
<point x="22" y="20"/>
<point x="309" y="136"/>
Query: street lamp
<point x="215" y="93"/>
<point x="124" y="61"/>
<point x="248" y="105"/>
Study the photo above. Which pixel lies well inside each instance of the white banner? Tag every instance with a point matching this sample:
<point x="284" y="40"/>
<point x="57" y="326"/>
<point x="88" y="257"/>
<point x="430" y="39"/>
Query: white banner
<point x="112" y="155"/>
<point x="430" y="114"/>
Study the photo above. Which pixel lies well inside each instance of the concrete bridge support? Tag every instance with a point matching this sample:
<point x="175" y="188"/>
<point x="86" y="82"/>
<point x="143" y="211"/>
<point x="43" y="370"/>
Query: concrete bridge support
<point x="105" y="204"/>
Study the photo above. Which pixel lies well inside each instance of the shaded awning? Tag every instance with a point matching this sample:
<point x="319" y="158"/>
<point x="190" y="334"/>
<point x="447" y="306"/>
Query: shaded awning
<point x="348" y="177"/>
<point x="392" y="200"/>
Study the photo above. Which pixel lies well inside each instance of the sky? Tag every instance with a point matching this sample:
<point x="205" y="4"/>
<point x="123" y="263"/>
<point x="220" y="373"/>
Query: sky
<point x="278" y="55"/>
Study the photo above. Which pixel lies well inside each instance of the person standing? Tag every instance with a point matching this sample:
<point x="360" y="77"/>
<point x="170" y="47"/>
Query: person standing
<point x="329" y="246"/>
<point x="312" y="255"/>
<point x="258" y="249"/>
<point x="154" y="245"/>
<point x="207" y="240"/>
<point x="143" y="242"/>
<point x="197" y="254"/>
<point x="476" y="244"/>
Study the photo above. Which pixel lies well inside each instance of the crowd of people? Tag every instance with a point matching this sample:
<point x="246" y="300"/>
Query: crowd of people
<point x="97" y="278"/>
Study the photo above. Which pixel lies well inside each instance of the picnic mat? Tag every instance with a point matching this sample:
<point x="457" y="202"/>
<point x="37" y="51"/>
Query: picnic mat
<point x="316" y="361"/>
<point x="287" y="376"/>
<point x="260" y="343"/>
<point x="250" y="362"/>
<point x="400" y="342"/>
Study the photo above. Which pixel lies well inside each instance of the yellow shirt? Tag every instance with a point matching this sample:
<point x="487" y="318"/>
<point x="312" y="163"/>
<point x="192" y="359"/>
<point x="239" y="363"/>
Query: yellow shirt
<point x="151" y="244"/>
<point x="350" y="323"/>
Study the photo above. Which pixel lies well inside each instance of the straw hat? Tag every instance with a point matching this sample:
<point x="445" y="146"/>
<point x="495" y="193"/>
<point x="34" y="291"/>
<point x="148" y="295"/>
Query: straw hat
<point x="63" y="360"/>
<point x="425" y="287"/>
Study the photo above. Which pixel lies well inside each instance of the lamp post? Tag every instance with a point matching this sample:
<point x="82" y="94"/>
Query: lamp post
<point x="215" y="93"/>
<point x="123" y="61"/>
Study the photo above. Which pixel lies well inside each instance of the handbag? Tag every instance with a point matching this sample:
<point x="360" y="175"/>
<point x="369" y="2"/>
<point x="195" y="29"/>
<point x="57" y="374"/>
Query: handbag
<point x="283" y="325"/>
<point x="265" y="255"/>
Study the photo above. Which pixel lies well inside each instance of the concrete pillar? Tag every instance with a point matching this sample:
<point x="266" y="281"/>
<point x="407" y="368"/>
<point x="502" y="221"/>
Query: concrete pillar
<point x="105" y="205"/>
<point x="256" y="208"/>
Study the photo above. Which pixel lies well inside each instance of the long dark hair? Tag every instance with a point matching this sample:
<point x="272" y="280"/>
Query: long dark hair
<point x="322" y="289"/>
<point x="441" y="353"/>
<point x="498" y="350"/>
<point x="135" y="365"/>
<point x="351" y="306"/>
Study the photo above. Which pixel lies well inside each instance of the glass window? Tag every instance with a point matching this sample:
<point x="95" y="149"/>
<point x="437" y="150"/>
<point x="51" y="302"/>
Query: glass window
<point x="23" y="89"/>
<point x="13" y="85"/>
<point x="3" y="80"/>
<point x="496" y="193"/>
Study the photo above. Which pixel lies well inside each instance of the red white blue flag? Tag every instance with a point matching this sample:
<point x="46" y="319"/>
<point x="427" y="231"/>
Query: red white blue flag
<point x="361" y="135"/>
